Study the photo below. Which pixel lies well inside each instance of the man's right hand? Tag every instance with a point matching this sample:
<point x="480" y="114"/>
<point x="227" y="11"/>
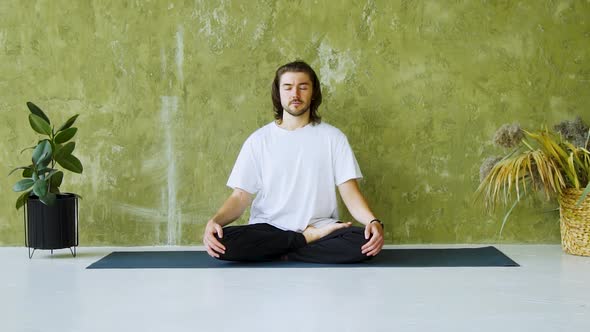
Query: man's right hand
<point x="213" y="246"/>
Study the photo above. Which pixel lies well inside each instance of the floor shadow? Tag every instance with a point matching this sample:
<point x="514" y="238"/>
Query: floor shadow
<point x="66" y="254"/>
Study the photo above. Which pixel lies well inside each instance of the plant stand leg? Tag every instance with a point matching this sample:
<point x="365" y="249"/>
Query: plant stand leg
<point x="31" y="253"/>
<point x="73" y="251"/>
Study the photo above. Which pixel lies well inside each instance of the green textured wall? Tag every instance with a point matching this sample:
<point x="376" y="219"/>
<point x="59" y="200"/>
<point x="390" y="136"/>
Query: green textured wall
<point x="169" y="90"/>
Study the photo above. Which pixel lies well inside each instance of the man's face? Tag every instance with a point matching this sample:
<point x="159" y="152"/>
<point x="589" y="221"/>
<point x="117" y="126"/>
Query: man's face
<point x="296" y="90"/>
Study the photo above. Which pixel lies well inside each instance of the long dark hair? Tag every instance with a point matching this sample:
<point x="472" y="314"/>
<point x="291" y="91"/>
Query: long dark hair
<point x="316" y="96"/>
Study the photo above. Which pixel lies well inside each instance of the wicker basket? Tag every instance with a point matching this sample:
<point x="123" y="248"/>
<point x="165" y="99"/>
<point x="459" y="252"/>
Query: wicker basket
<point x="574" y="223"/>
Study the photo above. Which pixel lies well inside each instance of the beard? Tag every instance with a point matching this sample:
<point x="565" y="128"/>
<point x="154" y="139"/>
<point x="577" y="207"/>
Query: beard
<point x="296" y="113"/>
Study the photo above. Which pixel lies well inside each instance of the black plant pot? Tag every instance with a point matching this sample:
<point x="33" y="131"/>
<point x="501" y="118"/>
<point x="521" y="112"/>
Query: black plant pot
<point x="52" y="227"/>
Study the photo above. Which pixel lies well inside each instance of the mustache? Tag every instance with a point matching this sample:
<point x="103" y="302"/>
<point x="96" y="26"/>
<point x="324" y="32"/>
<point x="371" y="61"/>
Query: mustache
<point x="295" y="100"/>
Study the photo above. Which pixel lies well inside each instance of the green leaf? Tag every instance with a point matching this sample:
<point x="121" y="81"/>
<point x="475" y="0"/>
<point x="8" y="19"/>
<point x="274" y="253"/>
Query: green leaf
<point x="583" y="196"/>
<point x="47" y="173"/>
<point x="55" y="180"/>
<point x="28" y="173"/>
<point x="71" y="163"/>
<point x="22" y="199"/>
<point x="22" y="167"/>
<point x="68" y="123"/>
<point x="39" y="125"/>
<point x="40" y="188"/>
<point x="43" y="169"/>
<point x="65" y="135"/>
<point x="41" y="153"/>
<point x="55" y="148"/>
<point x="48" y="199"/>
<point x="45" y="160"/>
<point x="23" y="185"/>
<point x="64" y="150"/>
<point x="37" y="111"/>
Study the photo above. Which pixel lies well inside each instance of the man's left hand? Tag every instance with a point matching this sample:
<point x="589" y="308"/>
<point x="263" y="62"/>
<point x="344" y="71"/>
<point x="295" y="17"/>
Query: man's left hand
<point x="373" y="233"/>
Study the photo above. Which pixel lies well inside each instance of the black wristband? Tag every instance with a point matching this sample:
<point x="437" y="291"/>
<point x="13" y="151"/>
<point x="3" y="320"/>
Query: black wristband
<point x="379" y="221"/>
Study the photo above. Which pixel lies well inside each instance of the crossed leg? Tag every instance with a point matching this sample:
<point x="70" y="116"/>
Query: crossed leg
<point x="341" y="246"/>
<point x="264" y="242"/>
<point x="258" y="243"/>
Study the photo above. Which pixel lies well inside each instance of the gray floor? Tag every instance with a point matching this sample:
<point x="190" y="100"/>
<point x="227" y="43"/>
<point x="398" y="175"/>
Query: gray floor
<point x="549" y="292"/>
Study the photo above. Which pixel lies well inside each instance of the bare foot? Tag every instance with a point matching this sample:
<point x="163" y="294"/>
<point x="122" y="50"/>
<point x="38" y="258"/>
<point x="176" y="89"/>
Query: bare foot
<point x="313" y="234"/>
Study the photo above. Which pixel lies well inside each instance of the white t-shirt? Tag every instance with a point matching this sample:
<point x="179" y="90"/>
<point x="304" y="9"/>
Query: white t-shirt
<point x="294" y="174"/>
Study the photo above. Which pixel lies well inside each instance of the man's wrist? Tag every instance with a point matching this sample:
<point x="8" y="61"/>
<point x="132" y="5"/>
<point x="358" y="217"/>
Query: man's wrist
<point x="377" y="221"/>
<point x="215" y="221"/>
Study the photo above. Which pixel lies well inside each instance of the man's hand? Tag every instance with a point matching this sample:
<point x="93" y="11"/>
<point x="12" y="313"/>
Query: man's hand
<point x="213" y="246"/>
<point x="374" y="232"/>
<point x="232" y="209"/>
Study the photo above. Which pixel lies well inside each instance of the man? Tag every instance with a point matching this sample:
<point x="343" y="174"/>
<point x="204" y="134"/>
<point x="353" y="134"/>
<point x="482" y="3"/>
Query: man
<point x="289" y="170"/>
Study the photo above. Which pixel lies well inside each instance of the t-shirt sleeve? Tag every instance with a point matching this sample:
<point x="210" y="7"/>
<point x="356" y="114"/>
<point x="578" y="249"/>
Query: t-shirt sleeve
<point x="345" y="165"/>
<point x="246" y="173"/>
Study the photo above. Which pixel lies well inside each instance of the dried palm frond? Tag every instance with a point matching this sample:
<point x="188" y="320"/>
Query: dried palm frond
<point x="544" y="162"/>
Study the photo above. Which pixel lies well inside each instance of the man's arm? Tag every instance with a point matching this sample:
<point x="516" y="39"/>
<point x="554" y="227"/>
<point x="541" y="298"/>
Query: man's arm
<point x="355" y="201"/>
<point x="359" y="209"/>
<point x="232" y="209"/>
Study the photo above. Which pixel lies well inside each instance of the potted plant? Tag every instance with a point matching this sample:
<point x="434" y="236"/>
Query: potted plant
<point x="555" y="162"/>
<point x="51" y="217"/>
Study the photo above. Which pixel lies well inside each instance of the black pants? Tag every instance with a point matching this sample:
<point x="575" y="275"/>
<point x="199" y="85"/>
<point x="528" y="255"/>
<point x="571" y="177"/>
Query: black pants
<point x="264" y="242"/>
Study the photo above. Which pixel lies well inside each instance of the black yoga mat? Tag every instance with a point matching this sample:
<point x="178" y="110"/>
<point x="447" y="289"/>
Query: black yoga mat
<point x="455" y="257"/>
